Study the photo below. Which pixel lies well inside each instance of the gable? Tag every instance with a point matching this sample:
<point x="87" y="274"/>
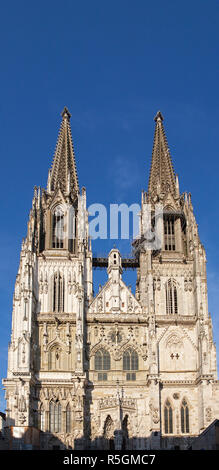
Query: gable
<point x="169" y="202"/>
<point x="115" y="294"/>
<point x="177" y="351"/>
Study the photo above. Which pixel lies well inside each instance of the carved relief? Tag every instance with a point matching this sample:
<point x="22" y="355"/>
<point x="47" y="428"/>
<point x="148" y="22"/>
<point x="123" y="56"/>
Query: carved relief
<point x="95" y="426"/>
<point x="112" y="402"/>
<point x="188" y="284"/>
<point x="54" y="393"/>
<point x="117" y="341"/>
<point x="157" y="283"/>
<point x="154" y="413"/>
<point x="115" y="335"/>
<point x="208" y="414"/>
<point x="174" y="341"/>
<point x="176" y="396"/>
<point x="108" y="429"/>
<point x="45" y="337"/>
<point x="100" y="303"/>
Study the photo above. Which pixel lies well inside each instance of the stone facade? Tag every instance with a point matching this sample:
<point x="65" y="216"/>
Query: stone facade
<point x="119" y="370"/>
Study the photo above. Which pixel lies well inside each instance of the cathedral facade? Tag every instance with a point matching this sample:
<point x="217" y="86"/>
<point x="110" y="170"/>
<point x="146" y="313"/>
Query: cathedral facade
<point x="119" y="370"/>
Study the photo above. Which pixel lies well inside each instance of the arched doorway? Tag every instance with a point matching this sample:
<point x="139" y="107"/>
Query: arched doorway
<point x="108" y="433"/>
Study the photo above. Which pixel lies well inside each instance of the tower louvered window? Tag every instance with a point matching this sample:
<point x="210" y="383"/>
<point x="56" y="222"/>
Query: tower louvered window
<point x="58" y="228"/>
<point x="58" y="293"/>
<point x="168" y="418"/>
<point x="184" y="417"/>
<point x="169" y="233"/>
<point x="171" y="298"/>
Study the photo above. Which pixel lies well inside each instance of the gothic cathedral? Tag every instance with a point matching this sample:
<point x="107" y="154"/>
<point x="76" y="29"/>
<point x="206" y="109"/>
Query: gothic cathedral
<point x="120" y="370"/>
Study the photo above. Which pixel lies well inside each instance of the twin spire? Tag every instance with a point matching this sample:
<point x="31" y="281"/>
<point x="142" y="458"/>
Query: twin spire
<point x="63" y="172"/>
<point x="162" y="178"/>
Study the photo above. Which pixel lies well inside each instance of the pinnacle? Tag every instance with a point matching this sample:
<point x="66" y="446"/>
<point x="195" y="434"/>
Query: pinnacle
<point x="159" y="116"/>
<point x="65" y="113"/>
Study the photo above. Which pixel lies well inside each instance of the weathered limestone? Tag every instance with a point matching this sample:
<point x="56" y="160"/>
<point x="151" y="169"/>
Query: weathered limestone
<point x="118" y="370"/>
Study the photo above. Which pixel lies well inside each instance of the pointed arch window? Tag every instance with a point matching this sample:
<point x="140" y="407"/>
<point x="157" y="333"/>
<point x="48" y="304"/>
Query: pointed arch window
<point x="58" y="292"/>
<point x="184" y="417"/>
<point x="57" y="228"/>
<point x="169" y="233"/>
<point x="130" y="360"/>
<point x="102" y="363"/>
<point x="68" y="418"/>
<point x="55" y="415"/>
<point x="102" y="360"/>
<point x="168" y="418"/>
<point x="130" y="363"/>
<point x="171" y="298"/>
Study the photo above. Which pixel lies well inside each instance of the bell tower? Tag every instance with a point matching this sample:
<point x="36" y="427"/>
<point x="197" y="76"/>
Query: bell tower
<point x="172" y="288"/>
<point x="46" y="366"/>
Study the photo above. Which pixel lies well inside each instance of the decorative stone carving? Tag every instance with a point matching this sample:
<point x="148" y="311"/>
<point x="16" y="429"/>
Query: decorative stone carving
<point x="188" y="284"/>
<point x="112" y="402"/>
<point x="130" y="304"/>
<point x="174" y="341"/>
<point x="45" y="337"/>
<point x="154" y="413"/>
<point x="176" y="350"/>
<point x="208" y="414"/>
<point x="100" y="303"/>
<point x="157" y="283"/>
<point x="176" y="396"/>
<point x="115" y="335"/>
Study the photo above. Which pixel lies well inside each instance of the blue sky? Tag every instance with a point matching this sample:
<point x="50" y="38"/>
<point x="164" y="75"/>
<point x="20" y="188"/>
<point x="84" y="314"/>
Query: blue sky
<point x="114" y="64"/>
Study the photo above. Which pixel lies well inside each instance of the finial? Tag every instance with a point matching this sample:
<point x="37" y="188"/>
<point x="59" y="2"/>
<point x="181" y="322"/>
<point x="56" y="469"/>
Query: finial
<point x="65" y="113"/>
<point x="158" y="117"/>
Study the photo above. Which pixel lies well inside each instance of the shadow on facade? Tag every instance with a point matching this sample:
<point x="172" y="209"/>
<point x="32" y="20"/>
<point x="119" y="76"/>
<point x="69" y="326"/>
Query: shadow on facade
<point x="111" y="438"/>
<point x="31" y="438"/>
<point x="121" y="441"/>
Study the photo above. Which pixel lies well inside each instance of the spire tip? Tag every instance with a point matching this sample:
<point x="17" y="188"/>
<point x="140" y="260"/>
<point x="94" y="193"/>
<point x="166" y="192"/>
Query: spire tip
<point x="159" y="116"/>
<point x="65" y="113"/>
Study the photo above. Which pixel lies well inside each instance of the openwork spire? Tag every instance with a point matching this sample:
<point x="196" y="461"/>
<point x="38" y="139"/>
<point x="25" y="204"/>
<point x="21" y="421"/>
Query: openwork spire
<point x="63" y="172"/>
<point x="162" y="179"/>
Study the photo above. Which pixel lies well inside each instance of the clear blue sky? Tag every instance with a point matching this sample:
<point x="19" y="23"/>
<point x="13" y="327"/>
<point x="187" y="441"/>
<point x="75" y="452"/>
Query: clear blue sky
<point x="114" y="64"/>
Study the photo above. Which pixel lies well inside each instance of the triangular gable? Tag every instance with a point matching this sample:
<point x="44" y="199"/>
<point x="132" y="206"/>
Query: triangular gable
<point x="102" y="303"/>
